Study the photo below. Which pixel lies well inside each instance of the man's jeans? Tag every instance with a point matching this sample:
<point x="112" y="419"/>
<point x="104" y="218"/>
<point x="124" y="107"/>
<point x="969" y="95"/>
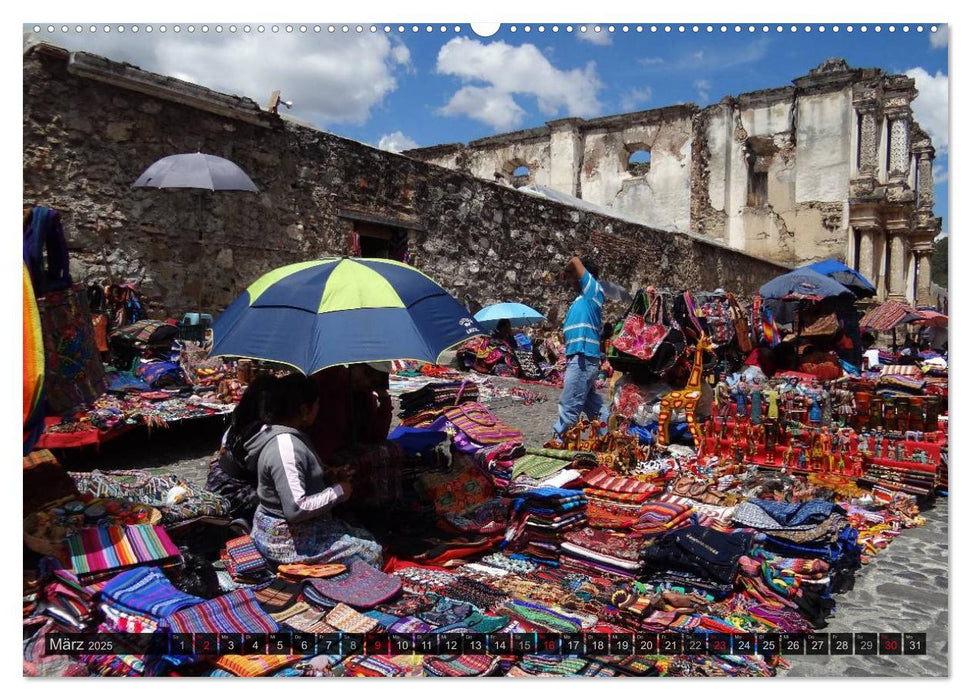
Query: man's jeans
<point x="580" y="393"/>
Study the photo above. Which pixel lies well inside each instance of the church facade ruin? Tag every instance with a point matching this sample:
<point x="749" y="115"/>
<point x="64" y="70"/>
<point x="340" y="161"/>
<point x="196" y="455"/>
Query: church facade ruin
<point x="833" y="166"/>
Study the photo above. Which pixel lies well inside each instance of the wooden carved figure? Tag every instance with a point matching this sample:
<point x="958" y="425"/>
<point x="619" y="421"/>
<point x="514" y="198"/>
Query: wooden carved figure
<point x="685" y="399"/>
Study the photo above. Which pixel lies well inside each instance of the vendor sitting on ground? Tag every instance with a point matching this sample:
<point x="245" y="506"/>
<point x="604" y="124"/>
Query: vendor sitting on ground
<point x="503" y="332"/>
<point x="293" y="522"/>
<point x="229" y="476"/>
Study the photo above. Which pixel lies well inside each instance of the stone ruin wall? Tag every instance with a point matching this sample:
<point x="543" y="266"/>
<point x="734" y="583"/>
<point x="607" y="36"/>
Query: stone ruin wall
<point x="86" y="141"/>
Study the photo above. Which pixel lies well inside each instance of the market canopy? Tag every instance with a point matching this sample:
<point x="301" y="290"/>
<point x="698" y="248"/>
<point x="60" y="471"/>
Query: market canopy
<point x="931" y="318"/>
<point x="518" y="315"/>
<point x="803" y="284"/>
<point x="889" y="315"/>
<point x="318" y="314"/>
<point x="847" y="276"/>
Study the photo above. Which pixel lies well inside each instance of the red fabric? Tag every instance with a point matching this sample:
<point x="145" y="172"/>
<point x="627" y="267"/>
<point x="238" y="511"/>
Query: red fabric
<point x="393" y="564"/>
<point x="64" y="441"/>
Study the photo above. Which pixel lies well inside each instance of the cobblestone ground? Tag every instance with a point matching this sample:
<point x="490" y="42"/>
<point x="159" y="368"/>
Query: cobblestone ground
<point x="904" y="589"/>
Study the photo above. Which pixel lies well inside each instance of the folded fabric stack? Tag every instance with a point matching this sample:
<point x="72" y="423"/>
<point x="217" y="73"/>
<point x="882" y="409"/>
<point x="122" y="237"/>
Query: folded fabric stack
<point x="252" y="666"/>
<point x="244" y="561"/>
<point x="603" y="484"/>
<point x="139" y="600"/>
<point x="498" y="461"/>
<point x="603" y="551"/>
<point x="98" y="553"/>
<point x="703" y="557"/>
<point x="543" y="618"/>
<point x="899" y="384"/>
<point x="436" y="397"/>
<point x="540" y="517"/>
<point x="463" y="666"/>
<point x="783" y="582"/>
<point x="657" y="517"/>
<point x="814" y="529"/>
<point x="66" y="600"/>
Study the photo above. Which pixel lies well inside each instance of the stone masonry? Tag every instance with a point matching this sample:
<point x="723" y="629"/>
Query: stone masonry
<point x="91" y="126"/>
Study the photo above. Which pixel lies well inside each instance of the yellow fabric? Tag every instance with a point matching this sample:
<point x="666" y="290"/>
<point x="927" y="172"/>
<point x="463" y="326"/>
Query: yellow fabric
<point x="33" y="350"/>
<point x="355" y="286"/>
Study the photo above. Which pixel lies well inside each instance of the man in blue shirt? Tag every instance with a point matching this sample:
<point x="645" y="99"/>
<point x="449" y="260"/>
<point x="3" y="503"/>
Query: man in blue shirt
<point x="581" y="333"/>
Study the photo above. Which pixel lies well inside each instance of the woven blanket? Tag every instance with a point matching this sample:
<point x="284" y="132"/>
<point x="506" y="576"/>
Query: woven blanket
<point x="362" y="586"/>
<point x="348" y="620"/>
<point x="538" y="466"/>
<point x="620" y="496"/>
<point x="255" y="665"/>
<point x="605" y="479"/>
<point x="98" y="552"/>
<point x="237" y="612"/>
<point x="460" y="666"/>
<point x="146" y="589"/>
<point x="244" y="558"/>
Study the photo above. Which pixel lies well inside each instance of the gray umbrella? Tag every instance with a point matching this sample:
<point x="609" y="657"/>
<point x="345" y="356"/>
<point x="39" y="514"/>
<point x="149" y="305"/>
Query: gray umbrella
<point x="612" y="290"/>
<point x="196" y="171"/>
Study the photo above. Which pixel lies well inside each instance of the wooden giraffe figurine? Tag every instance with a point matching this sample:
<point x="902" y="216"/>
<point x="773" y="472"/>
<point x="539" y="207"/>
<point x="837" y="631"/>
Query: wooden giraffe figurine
<point x="685" y="399"/>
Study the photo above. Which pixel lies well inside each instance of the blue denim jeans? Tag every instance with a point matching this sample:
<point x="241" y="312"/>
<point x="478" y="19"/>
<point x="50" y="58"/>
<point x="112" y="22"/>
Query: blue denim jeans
<point x="580" y="393"/>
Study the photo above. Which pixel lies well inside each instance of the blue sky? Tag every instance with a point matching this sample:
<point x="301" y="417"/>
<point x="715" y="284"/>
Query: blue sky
<point x="398" y="90"/>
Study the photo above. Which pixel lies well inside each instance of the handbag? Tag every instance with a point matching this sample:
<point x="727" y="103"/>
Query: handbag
<point x="476" y="421"/>
<point x="742" y="332"/>
<point x="641" y="331"/>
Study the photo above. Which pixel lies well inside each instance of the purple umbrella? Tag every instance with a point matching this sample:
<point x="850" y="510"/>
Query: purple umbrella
<point x="195" y="171"/>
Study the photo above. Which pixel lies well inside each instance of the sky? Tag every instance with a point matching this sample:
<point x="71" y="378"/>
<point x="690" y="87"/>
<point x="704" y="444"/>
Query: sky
<point x="399" y="90"/>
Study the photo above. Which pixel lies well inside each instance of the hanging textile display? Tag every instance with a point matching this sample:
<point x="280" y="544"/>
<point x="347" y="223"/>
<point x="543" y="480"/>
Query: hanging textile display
<point x="33" y="365"/>
<point x="74" y="373"/>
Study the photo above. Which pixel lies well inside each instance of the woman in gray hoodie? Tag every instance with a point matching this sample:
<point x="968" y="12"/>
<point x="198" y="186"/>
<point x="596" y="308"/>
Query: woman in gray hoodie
<point x="293" y="522"/>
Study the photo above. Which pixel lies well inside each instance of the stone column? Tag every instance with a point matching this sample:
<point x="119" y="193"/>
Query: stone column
<point x="923" y="275"/>
<point x="866" y="264"/>
<point x="868" y="139"/>
<point x="899" y="145"/>
<point x="925" y="178"/>
<point x="897" y="274"/>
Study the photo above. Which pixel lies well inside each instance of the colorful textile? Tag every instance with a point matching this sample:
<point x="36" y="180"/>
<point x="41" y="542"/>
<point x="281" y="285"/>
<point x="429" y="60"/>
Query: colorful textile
<point x="97" y="552"/>
<point x="244" y="557"/>
<point x="310" y="620"/>
<point x="323" y="539"/>
<point x="478" y="422"/>
<point x="279" y="595"/>
<point x="33" y="364"/>
<point x="237" y="612"/>
<point x="146" y="589"/>
<point x="347" y="619"/>
<point x="255" y="665"/>
<point x="538" y="467"/>
<point x="362" y="586"/>
<point x="607" y="480"/>
<point x="460" y="666"/>
<point x="74" y="374"/>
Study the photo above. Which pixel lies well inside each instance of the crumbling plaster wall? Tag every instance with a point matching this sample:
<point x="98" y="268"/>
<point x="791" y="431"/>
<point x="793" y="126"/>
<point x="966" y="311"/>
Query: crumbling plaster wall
<point x="86" y="141"/>
<point x="660" y="197"/>
<point x="806" y="143"/>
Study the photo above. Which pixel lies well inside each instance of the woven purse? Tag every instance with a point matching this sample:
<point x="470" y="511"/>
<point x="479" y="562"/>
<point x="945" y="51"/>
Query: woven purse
<point x="476" y="421"/>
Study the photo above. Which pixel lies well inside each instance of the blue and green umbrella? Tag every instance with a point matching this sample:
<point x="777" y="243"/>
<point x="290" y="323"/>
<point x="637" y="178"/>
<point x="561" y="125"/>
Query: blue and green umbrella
<point x="318" y="314"/>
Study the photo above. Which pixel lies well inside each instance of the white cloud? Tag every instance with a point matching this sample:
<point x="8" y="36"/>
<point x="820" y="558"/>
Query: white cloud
<point x="601" y="38"/>
<point x="635" y="99"/>
<point x="939" y="173"/>
<point x="713" y="60"/>
<point x="487" y="104"/>
<point x="931" y="105"/>
<point x="396" y="142"/>
<point x="939" y="38"/>
<point x="702" y="86"/>
<point x="504" y="71"/>
<point x="330" y="79"/>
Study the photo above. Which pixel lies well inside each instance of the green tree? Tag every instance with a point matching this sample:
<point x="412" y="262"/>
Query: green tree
<point x="939" y="263"/>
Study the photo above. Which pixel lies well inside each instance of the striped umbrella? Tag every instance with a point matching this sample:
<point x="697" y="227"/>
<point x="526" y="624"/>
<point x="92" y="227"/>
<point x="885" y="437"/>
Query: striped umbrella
<point x="318" y="314"/>
<point x="888" y="316"/>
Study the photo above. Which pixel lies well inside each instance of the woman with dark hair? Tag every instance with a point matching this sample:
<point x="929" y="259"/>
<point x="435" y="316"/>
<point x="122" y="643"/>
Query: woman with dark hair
<point x="293" y="522"/>
<point x="229" y="475"/>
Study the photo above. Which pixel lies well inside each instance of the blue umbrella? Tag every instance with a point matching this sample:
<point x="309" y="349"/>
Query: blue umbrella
<point x="322" y="313"/>
<point x="802" y="284"/>
<point x="845" y="275"/>
<point x="518" y="315"/>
